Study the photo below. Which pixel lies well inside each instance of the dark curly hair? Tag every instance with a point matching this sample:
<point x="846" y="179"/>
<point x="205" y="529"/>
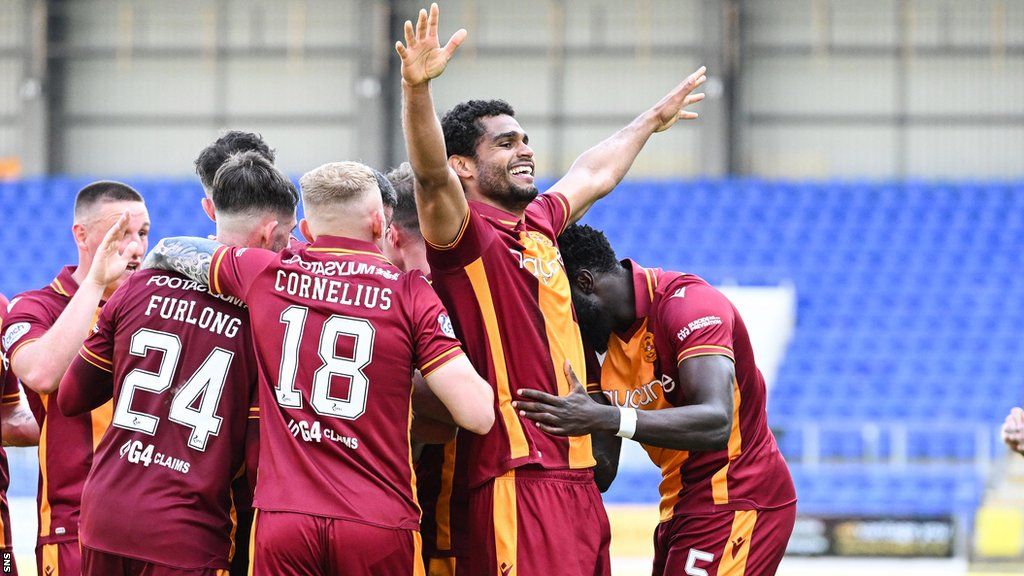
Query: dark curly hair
<point x="462" y="128"/>
<point x="584" y="247"/>
<point x="232" y="142"/>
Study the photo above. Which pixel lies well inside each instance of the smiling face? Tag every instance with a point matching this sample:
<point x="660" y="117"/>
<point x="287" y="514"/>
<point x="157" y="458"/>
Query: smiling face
<point x="504" y="163"/>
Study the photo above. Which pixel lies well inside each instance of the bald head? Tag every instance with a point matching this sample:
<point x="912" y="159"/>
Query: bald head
<point x="344" y="199"/>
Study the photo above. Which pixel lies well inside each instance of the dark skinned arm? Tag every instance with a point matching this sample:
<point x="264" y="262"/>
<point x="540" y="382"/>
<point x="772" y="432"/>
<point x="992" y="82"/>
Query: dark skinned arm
<point x="606" y="447"/>
<point x="702" y="425"/>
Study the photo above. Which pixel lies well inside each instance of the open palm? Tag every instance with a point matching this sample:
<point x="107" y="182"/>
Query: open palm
<point x="423" y="58"/>
<point x="673" y="106"/>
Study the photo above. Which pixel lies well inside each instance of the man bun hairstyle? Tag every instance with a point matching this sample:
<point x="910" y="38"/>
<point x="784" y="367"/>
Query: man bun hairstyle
<point x="232" y="142"/>
<point x="247" y="182"/>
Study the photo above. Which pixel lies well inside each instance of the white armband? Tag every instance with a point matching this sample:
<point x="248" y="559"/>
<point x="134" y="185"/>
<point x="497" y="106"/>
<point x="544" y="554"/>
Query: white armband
<point x="627" y="422"/>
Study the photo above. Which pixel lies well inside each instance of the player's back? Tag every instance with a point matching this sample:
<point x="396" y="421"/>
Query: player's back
<point x="751" y="473"/>
<point x="184" y="380"/>
<point x="338" y="331"/>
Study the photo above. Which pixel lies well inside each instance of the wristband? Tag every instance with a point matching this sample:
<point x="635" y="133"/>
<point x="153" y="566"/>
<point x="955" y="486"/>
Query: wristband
<point x="627" y="422"/>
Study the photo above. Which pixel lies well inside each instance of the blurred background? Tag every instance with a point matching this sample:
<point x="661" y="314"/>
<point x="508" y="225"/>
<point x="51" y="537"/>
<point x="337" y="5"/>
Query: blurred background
<point x="855" y="182"/>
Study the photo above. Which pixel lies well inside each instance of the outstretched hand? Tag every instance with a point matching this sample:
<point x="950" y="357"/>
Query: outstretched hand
<point x="423" y="58"/>
<point x="671" y="108"/>
<point x="573" y="415"/>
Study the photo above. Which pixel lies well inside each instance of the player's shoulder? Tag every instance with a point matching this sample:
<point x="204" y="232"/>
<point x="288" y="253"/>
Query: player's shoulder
<point x="677" y="289"/>
<point x="548" y="213"/>
<point x="36" y="301"/>
<point x="155" y="280"/>
<point x="413" y="281"/>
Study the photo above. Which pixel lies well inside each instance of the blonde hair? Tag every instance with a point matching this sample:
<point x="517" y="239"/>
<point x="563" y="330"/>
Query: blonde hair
<point x="337" y="184"/>
<point x="342" y="199"/>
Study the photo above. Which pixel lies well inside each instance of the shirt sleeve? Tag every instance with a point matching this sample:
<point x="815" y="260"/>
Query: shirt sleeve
<point x="89" y="381"/>
<point x="473" y="238"/>
<point x="434" y="338"/>
<point x="549" y="212"/>
<point x="98" y="348"/>
<point x="698" y="321"/>
<point x="233" y="269"/>
<point x="27" y="321"/>
<point x="9" y="393"/>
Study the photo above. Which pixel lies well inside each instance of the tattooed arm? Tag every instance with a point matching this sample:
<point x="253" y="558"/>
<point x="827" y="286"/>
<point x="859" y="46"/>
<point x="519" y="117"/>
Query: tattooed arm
<point x="184" y="255"/>
<point x="20" y="426"/>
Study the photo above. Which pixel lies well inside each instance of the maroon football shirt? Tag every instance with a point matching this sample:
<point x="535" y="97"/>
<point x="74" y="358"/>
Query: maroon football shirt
<point x="180" y="366"/>
<point x="505" y="285"/>
<point x="680" y="316"/>
<point x="8" y="395"/>
<point x="442" y="478"/>
<point x="65" y="444"/>
<point x="338" y="331"/>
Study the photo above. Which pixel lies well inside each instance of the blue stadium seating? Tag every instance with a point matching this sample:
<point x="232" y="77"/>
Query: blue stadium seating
<point x="910" y="302"/>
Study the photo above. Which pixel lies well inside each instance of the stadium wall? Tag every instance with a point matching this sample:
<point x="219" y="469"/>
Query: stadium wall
<point x="799" y="88"/>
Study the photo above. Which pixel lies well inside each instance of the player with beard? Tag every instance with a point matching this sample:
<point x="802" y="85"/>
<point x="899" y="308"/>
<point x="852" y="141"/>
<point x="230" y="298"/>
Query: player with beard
<point x="179" y="363"/>
<point x="492" y="249"/>
<point x="43" y="332"/>
<point x="681" y="379"/>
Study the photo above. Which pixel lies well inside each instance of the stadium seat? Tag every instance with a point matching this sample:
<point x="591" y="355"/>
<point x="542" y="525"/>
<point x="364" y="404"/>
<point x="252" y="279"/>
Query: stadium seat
<point x="909" y="308"/>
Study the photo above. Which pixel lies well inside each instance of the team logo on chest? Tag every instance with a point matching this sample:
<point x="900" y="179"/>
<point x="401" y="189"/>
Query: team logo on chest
<point x="648" y="349"/>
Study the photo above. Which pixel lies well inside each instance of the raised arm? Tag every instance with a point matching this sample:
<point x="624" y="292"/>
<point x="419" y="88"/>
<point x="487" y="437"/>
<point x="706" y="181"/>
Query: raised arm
<point x="185" y="255"/>
<point x="41" y="364"/>
<point x="440" y="200"/>
<point x="598" y="170"/>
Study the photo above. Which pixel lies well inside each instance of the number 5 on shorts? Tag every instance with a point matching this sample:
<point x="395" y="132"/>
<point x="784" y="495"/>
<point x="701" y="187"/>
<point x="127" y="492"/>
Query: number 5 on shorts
<point x="694" y="557"/>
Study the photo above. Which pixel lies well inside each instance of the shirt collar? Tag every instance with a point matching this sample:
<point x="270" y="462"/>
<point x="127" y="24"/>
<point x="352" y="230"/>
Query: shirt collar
<point x="644" y="283"/>
<point x="506" y="219"/>
<point x="342" y="245"/>
<point x="65" y="284"/>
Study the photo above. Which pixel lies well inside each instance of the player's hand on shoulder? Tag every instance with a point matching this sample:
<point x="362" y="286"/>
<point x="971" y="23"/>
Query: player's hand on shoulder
<point x="422" y="56"/>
